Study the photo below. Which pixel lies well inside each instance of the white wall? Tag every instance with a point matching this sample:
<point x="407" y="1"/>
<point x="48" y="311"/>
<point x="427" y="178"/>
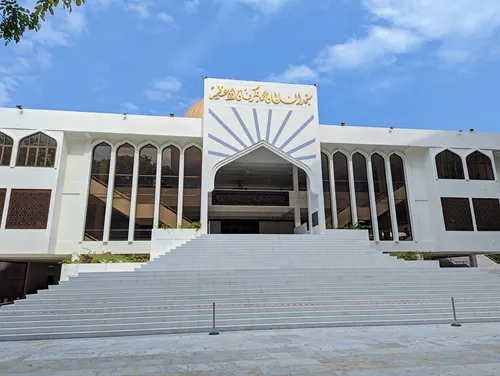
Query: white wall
<point x="73" y="195"/>
<point x="35" y="242"/>
<point x="232" y="129"/>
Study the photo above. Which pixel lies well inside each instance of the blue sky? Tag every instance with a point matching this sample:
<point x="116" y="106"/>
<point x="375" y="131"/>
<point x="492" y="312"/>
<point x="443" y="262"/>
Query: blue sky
<point x="403" y="63"/>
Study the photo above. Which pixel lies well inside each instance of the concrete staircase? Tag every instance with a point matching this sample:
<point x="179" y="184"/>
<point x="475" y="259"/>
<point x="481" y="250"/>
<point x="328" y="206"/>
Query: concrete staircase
<point x="257" y="282"/>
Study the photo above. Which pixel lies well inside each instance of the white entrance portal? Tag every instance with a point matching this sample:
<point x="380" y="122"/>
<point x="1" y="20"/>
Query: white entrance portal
<point x="241" y="117"/>
<point x="259" y="193"/>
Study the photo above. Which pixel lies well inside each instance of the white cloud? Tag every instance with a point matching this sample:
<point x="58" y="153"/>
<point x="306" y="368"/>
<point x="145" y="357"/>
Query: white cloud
<point x="295" y="74"/>
<point x="34" y="51"/>
<point x="456" y="30"/>
<point x="163" y="89"/>
<point x="264" y="6"/>
<point x="142" y="10"/>
<point x="166" y="18"/>
<point x="129" y="108"/>
<point x="191" y="6"/>
<point x="380" y="42"/>
<point x="4" y="95"/>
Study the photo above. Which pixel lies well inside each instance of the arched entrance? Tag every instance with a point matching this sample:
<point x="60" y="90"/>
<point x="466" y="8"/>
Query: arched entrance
<point x="260" y="193"/>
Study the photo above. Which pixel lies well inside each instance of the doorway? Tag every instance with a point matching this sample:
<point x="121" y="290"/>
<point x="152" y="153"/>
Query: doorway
<point x="260" y="193"/>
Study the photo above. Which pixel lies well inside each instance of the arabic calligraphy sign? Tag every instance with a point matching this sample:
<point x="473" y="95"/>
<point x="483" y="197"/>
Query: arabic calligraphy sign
<point x="255" y="95"/>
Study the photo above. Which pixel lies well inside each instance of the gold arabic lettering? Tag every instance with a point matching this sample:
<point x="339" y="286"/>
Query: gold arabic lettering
<point x="256" y="96"/>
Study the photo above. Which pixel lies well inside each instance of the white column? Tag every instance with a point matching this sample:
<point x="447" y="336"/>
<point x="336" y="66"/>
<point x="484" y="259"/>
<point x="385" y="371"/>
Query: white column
<point x="373" y="200"/>
<point x="392" y="201"/>
<point x="352" y="191"/>
<point x="473" y="213"/>
<point x="414" y="225"/>
<point x="5" y="208"/>
<point x="333" y="193"/>
<point x="156" y="215"/>
<point x="133" y="197"/>
<point x="296" y="192"/>
<point x="309" y="209"/>
<point x="180" y="191"/>
<point x="109" y="197"/>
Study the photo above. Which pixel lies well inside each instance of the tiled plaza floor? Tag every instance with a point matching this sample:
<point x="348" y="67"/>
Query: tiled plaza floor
<point x="472" y="350"/>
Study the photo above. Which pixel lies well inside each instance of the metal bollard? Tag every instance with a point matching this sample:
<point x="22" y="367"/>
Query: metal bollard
<point x="214" y="331"/>
<point x="455" y="321"/>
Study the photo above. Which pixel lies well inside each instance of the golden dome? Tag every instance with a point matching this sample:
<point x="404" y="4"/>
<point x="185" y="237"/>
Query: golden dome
<point x="196" y="110"/>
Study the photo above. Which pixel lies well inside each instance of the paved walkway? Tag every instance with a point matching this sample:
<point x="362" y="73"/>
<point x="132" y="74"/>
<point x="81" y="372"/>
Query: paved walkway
<point x="472" y="350"/>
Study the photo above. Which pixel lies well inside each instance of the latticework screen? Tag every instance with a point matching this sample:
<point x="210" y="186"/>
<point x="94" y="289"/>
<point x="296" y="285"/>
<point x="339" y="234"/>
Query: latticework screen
<point x="28" y="209"/>
<point x="457" y="214"/>
<point x="487" y="212"/>
<point x="3" y="193"/>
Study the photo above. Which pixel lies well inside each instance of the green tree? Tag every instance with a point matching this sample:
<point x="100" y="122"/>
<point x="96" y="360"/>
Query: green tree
<point x="15" y="19"/>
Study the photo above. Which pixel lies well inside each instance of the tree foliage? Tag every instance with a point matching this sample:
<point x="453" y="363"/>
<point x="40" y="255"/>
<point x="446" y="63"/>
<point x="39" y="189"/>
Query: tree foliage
<point x="16" y="19"/>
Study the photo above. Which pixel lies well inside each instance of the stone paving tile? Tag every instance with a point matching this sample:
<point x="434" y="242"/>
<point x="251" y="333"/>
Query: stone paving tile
<point x="473" y="350"/>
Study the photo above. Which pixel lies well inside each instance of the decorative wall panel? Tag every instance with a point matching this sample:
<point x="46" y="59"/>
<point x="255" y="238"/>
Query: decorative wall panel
<point x="487" y="212"/>
<point x="3" y="193"/>
<point x="28" y="209"/>
<point x="250" y="198"/>
<point x="457" y="214"/>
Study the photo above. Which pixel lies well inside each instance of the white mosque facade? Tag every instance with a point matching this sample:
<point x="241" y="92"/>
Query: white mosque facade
<point x="251" y="157"/>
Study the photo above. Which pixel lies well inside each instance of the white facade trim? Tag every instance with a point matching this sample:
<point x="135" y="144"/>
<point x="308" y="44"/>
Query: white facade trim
<point x="352" y="190"/>
<point x="392" y="200"/>
<point x="180" y="189"/>
<point x="159" y="162"/>
<point x="109" y="196"/>
<point x="3" y="223"/>
<point x="133" y="198"/>
<point x="333" y="192"/>
<point x="373" y="200"/>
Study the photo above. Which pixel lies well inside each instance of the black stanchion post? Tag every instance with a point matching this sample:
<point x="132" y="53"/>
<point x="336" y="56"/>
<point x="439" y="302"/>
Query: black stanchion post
<point x="214" y="331"/>
<point x="455" y="321"/>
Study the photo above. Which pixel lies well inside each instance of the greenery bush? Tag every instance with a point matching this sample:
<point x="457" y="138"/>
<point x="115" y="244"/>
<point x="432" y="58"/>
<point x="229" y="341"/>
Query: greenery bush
<point x="193" y="226"/>
<point x="495" y="258"/>
<point x="104" y="258"/>
<point x="413" y="256"/>
<point x="358" y="226"/>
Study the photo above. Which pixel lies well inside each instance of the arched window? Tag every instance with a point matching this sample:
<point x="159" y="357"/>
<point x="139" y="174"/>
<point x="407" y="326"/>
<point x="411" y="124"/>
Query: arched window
<point x="146" y="188"/>
<point x="401" y="198"/>
<point x="326" y="190"/>
<point x="192" y="184"/>
<point x="382" y="198"/>
<point x="480" y="167"/>
<point x="5" y="149"/>
<point x="169" y="186"/>
<point x="98" y="193"/>
<point x="449" y="165"/>
<point x="342" y="192"/>
<point x="122" y="192"/>
<point x="37" y="150"/>
<point x="362" y="191"/>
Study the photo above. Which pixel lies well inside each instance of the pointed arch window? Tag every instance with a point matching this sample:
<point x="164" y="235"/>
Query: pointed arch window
<point x="122" y="193"/>
<point x="192" y="184"/>
<point x="362" y="192"/>
<point x="146" y="188"/>
<point x="382" y="198"/>
<point x="169" y="191"/>
<point x="98" y="192"/>
<point x="325" y="170"/>
<point x="480" y="167"/>
<point x="37" y="150"/>
<point x="6" y="144"/>
<point x="449" y="165"/>
<point x="401" y="198"/>
<point x="342" y="191"/>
